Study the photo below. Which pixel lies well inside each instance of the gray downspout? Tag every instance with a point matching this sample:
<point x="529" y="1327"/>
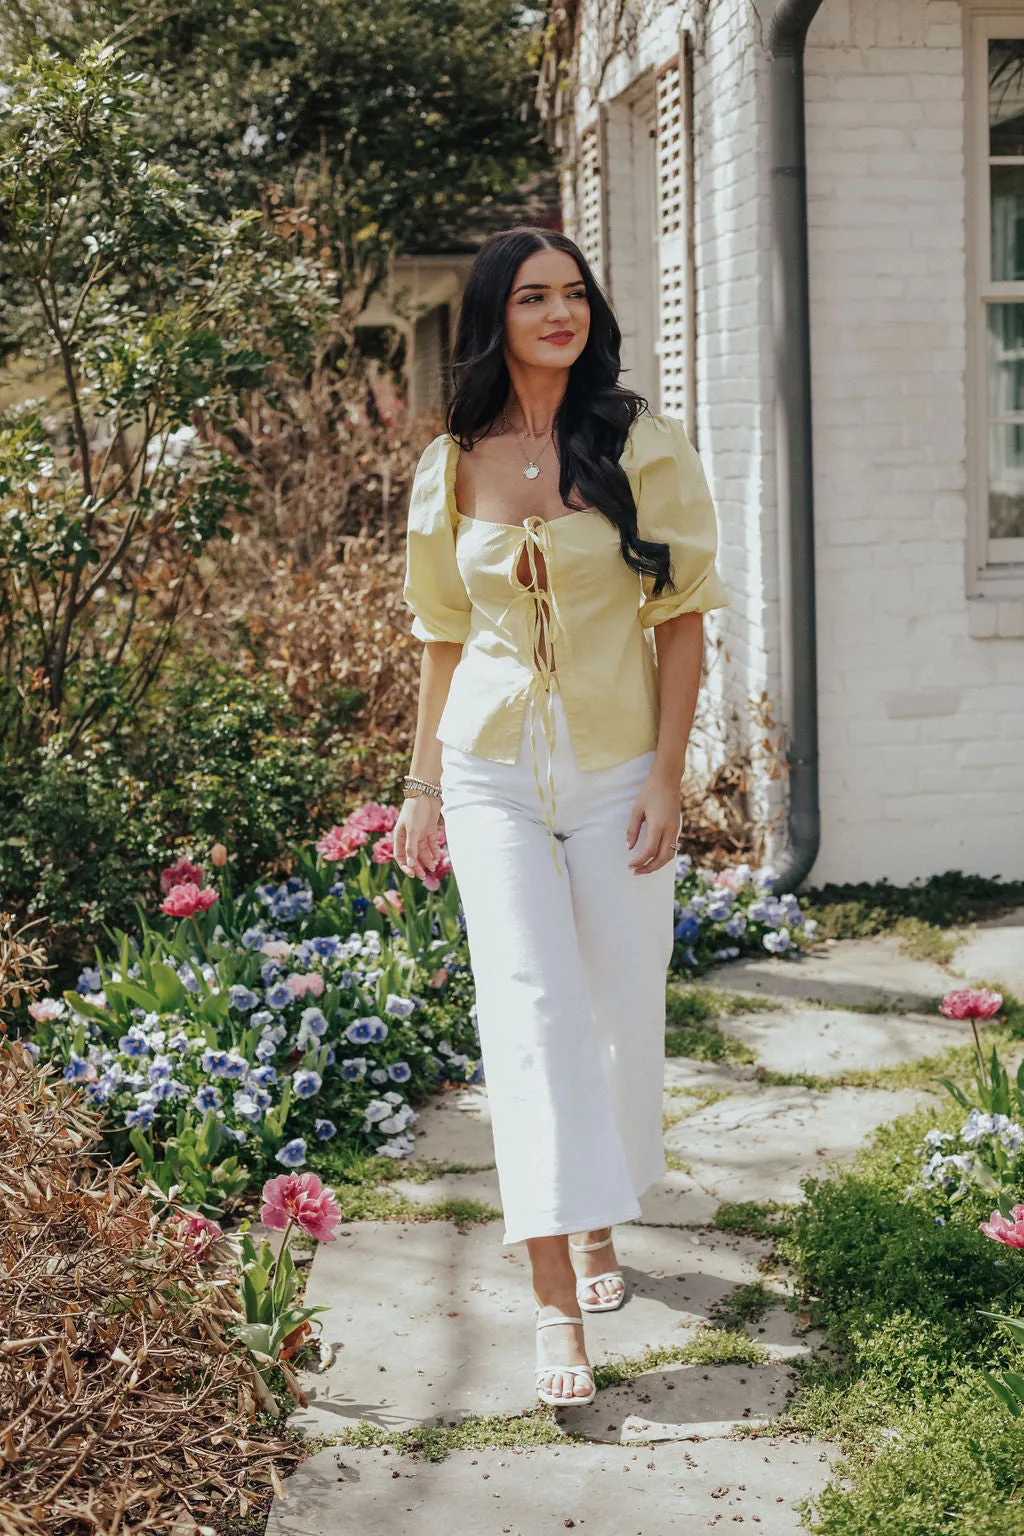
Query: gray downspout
<point x="791" y="320"/>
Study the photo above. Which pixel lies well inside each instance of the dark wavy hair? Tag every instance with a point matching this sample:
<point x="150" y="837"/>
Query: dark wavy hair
<point x="596" y="412"/>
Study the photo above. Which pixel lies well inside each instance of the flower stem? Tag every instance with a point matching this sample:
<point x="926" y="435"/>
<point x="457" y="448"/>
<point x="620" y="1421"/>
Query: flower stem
<point x="280" y="1255"/>
<point x="977" y="1046"/>
<point x="199" y="936"/>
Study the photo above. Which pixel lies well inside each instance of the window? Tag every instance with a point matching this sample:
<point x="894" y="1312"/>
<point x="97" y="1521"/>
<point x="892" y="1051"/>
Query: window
<point x="997" y="281"/>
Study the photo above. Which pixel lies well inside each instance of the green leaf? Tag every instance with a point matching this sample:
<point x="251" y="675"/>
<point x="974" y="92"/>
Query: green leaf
<point x="171" y="993"/>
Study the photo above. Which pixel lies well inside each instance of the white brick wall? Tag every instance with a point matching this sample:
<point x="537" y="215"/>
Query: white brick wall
<point x="906" y="791"/>
<point x="901" y="796"/>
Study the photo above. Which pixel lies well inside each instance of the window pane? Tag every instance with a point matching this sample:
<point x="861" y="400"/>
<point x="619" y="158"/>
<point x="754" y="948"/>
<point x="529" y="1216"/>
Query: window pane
<point x="1005" y="439"/>
<point x="1006" y="482"/>
<point x="1006" y="96"/>
<point x="1005" y="359"/>
<point x="1007" y="222"/>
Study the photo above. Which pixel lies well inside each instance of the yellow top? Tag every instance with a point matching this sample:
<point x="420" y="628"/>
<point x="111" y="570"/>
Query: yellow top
<point x="585" y="628"/>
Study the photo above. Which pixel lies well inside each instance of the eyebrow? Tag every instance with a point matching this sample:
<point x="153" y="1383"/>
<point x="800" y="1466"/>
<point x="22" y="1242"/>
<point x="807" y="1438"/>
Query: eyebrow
<point x="543" y="287"/>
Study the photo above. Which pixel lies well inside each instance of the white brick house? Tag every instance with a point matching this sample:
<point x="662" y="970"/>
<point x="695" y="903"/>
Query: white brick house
<point x="915" y="207"/>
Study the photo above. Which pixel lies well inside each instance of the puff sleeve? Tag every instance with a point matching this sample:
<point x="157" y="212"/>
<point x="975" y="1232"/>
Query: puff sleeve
<point x="434" y="588"/>
<point x="674" y="507"/>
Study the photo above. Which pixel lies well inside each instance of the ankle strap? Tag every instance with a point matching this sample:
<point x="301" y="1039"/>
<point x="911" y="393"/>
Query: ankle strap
<point x="549" y="1322"/>
<point x="588" y="1247"/>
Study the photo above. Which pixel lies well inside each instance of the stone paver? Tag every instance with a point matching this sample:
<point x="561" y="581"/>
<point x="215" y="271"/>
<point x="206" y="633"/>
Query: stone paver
<point x="429" y="1319"/>
<point x="760" y="1143"/>
<point x="683" y="1402"/>
<point x="600" y="1490"/>
<point x="827" y="1042"/>
<point x="856" y="972"/>
<point x="994" y="952"/>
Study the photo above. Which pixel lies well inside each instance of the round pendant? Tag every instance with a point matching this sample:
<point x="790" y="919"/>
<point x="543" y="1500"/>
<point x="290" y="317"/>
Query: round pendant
<point x="531" y="471"/>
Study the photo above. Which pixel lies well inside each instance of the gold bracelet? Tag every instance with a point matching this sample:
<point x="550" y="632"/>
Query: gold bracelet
<point x="413" y="787"/>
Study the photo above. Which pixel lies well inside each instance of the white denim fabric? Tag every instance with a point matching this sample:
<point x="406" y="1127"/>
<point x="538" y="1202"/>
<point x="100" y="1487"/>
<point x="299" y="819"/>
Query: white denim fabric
<point x="570" y="980"/>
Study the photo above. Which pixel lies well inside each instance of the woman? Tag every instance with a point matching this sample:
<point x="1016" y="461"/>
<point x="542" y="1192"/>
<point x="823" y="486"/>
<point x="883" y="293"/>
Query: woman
<point x="552" y="525"/>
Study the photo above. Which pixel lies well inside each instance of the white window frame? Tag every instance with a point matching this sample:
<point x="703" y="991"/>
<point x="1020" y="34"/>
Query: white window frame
<point x="995" y="567"/>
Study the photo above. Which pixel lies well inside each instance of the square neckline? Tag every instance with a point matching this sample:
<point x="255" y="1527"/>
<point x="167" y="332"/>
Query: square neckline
<point x="454" y="454"/>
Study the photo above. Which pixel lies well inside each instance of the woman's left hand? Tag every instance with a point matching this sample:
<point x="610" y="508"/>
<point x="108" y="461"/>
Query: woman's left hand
<point x="656" y="811"/>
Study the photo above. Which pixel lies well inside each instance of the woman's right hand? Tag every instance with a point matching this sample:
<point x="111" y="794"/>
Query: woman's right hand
<point x="417" y="835"/>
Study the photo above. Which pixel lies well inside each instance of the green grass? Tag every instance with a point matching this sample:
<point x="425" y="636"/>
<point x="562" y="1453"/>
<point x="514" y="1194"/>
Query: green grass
<point x="361" y="1181"/>
<point x="746" y="1304"/>
<point x="924" y="941"/>
<point x="691" y="1030"/>
<point x="752" y="1218"/>
<point x="710" y="1346"/>
<point x="476" y="1433"/>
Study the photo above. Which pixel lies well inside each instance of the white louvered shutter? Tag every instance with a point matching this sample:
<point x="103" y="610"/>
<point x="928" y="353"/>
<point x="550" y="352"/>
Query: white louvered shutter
<point x="589" y="231"/>
<point x="673" y="272"/>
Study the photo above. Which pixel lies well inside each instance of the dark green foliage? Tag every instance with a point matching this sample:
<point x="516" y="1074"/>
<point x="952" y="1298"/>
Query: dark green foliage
<point x="393" y="122"/>
<point x="858" y="911"/>
<point x="930" y="1451"/>
<point x="212" y="757"/>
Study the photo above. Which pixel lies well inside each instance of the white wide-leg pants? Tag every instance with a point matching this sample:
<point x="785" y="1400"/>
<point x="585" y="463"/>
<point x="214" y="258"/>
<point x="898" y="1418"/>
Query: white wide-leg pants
<point x="570" y="981"/>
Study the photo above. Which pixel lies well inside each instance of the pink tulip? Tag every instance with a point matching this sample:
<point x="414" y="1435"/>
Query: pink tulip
<point x="968" y="1004"/>
<point x="187" y="899"/>
<point x="443" y="867"/>
<point x="218" y="855"/>
<point x="302" y="1199"/>
<point x="1010" y="1233"/>
<point x="45" y="1009"/>
<point x="373" y="818"/>
<point x="389" y="901"/>
<point x="341" y="843"/>
<point x="181" y="872"/>
<point x="383" y="850"/>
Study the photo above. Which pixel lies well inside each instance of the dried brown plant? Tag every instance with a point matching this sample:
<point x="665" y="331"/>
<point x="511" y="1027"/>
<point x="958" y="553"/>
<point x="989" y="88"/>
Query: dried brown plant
<point x="23" y="964"/>
<point x="123" y="1408"/>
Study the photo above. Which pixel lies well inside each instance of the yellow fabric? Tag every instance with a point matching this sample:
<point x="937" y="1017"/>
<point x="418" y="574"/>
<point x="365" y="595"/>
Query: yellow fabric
<point x="462" y="586"/>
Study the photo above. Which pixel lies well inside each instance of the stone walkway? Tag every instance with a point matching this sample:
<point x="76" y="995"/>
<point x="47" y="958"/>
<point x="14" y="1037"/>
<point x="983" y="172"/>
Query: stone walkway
<point x="432" y="1322"/>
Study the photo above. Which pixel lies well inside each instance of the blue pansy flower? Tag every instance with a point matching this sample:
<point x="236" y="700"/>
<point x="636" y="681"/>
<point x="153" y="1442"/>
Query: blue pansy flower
<point x="400" y="1072"/>
<point x="242" y="998"/>
<point x="264" y="1076"/>
<point x="306" y="1084"/>
<point x="312" y="1020"/>
<point x="736" y="924"/>
<point x="208" y="1097"/>
<point x="139" y="1119"/>
<point x="232" y="1135"/>
<point x="134" y="1043"/>
<point x="163" y="1090"/>
<point x="76" y="1069"/>
<point x="776" y="943"/>
<point x="263" y="1016"/>
<point x="326" y="946"/>
<point x="90" y="979"/>
<point x="378" y="1075"/>
<point x="265" y="1049"/>
<point x="353" y="1069"/>
<point x="325" y="1129"/>
<point x="279" y="995"/>
<point x="214" y="1061"/>
<point x="399" y="1007"/>
<point x="293" y="1153"/>
<point x="360" y="1030"/>
<point x="687" y="927"/>
<point x="359" y="904"/>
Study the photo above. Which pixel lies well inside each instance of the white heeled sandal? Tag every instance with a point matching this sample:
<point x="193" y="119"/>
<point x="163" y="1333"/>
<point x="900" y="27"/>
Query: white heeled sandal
<point x="587" y="1371"/>
<point x="603" y="1303"/>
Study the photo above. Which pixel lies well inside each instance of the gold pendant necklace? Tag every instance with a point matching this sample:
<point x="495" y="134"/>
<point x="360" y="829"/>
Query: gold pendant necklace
<point x="532" y="469"/>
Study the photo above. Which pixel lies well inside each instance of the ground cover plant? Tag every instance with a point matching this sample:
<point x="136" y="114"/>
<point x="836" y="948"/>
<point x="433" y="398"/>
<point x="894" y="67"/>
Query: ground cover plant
<point x="903" y="1283"/>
